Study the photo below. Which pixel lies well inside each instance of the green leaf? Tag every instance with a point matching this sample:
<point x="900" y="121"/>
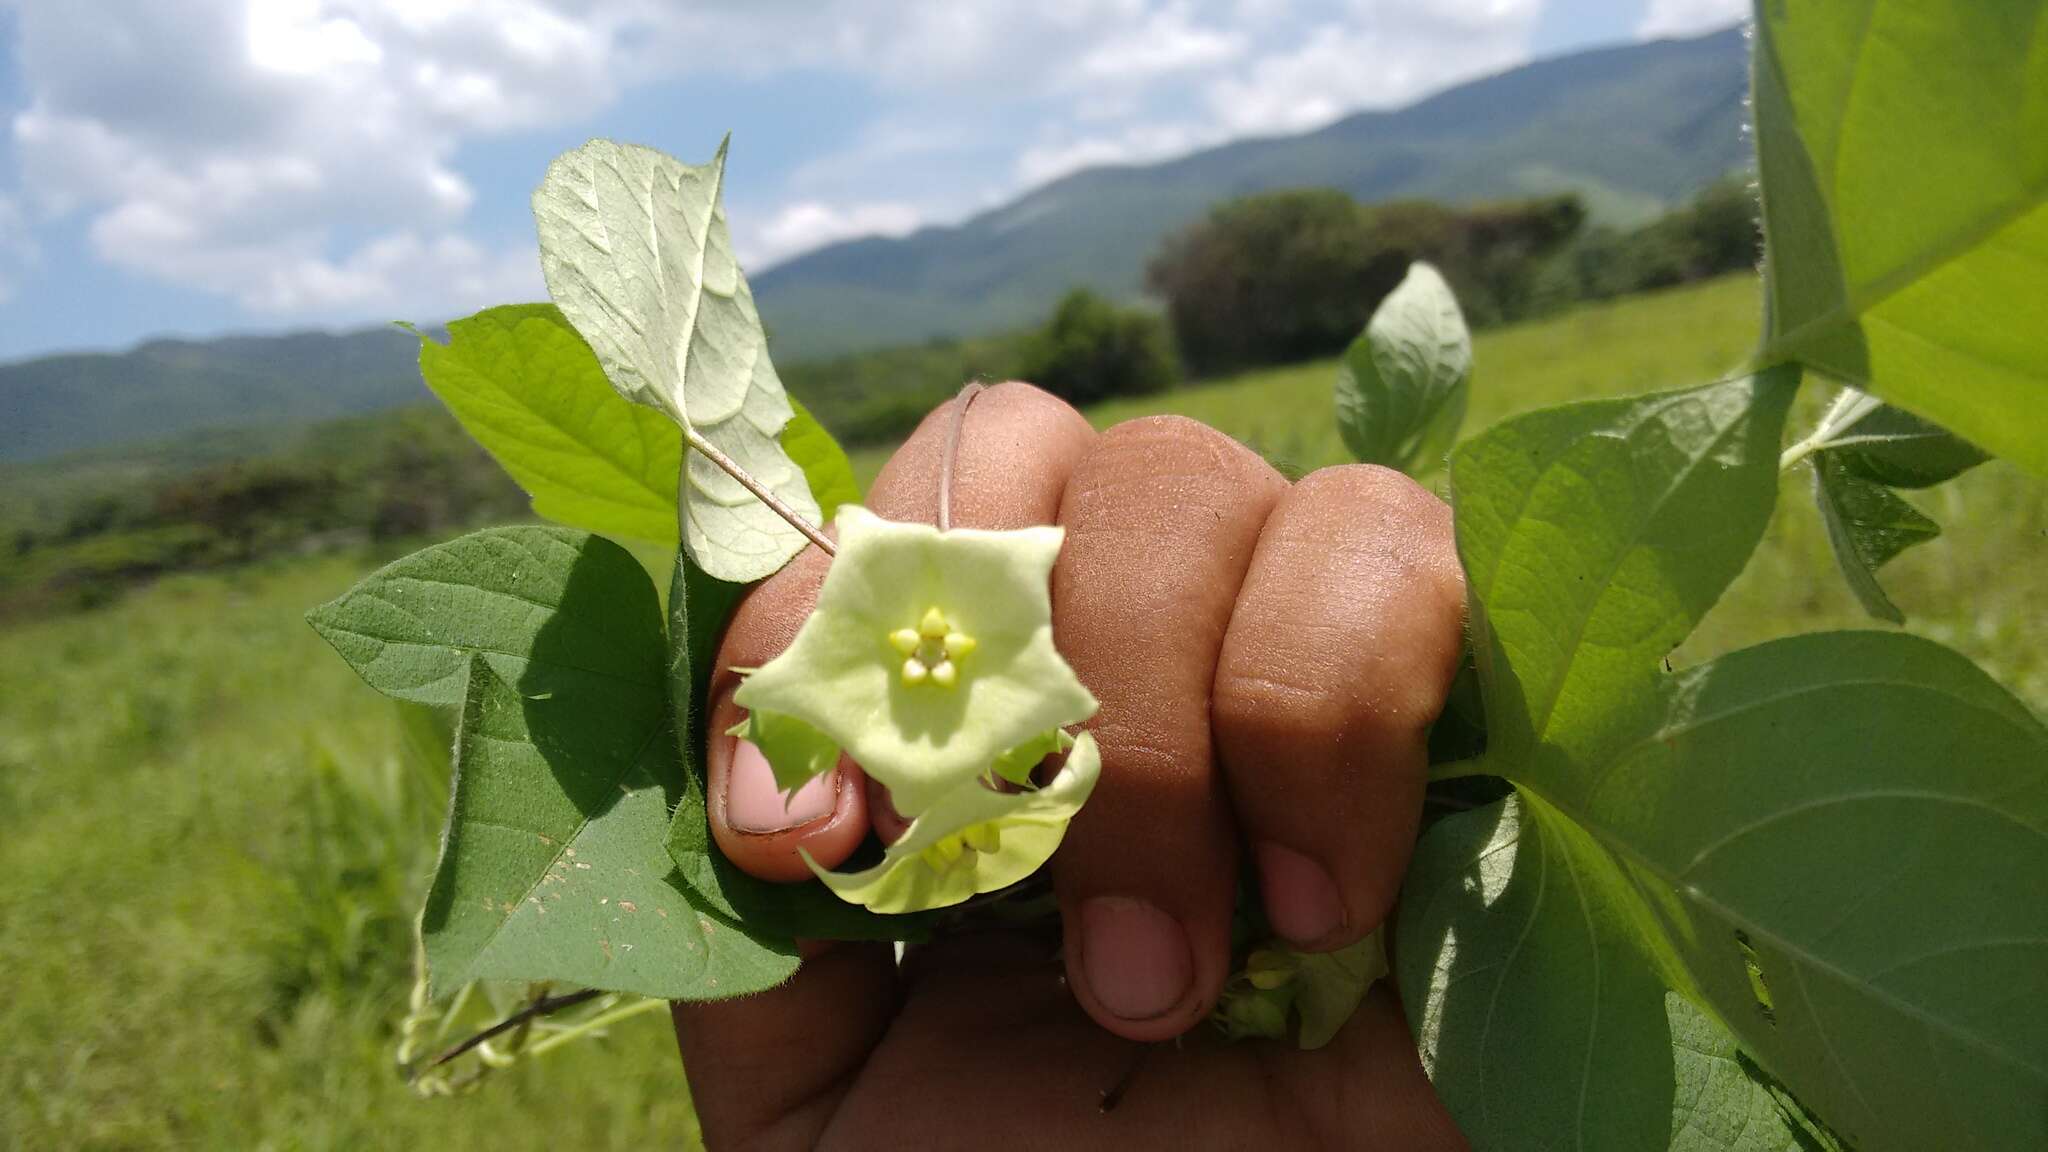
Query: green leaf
<point x="824" y="462"/>
<point x="1838" y="843"/>
<point x="1330" y="985"/>
<point x="1867" y="526"/>
<point x="1903" y="152"/>
<point x="1724" y="1102"/>
<point x="1846" y="836"/>
<point x="1537" y="1013"/>
<point x="527" y="387"/>
<point x="1596" y="535"/>
<point x="635" y="250"/>
<point x="554" y="865"/>
<point x="547" y="608"/>
<point x="1895" y="448"/>
<point x="1402" y="385"/>
<point x="773" y="914"/>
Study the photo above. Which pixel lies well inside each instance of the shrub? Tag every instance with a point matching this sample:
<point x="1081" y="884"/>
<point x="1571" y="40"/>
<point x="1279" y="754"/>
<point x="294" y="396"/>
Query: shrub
<point x="1091" y="350"/>
<point x="1293" y="275"/>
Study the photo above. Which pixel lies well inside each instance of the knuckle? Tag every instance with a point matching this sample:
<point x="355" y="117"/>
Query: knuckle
<point x="1266" y="704"/>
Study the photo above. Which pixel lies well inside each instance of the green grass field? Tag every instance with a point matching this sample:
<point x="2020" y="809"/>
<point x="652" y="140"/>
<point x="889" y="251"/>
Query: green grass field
<point x="214" y="832"/>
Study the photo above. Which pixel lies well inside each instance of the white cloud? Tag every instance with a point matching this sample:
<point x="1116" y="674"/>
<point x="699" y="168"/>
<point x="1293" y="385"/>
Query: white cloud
<point x="1689" y="17"/>
<point x="809" y="224"/>
<point x="1134" y="145"/>
<point x="1300" y="76"/>
<point x="1164" y="42"/>
<point x="291" y="155"/>
<point x="1374" y="54"/>
<point x="299" y="156"/>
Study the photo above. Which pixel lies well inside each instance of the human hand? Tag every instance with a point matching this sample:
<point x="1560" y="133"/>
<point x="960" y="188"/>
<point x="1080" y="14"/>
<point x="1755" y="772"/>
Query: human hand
<point x="1268" y="659"/>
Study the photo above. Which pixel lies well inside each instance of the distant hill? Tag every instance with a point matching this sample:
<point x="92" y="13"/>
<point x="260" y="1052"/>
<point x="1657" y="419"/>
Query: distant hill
<point x="59" y="404"/>
<point x="1632" y="129"/>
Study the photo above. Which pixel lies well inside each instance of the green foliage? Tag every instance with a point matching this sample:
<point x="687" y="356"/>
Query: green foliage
<point x="1271" y="278"/>
<point x="1723" y="1101"/>
<point x="1716" y="233"/>
<point x="636" y="251"/>
<point x="1595" y="536"/>
<point x="1867" y="525"/>
<point x="548" y="608"/>
<point x="1860" y="450"/>
<point x="1648" y="844"/>
<point x="219" y="843"/>
<point x="824" y="463"/>
<point x="1284" y="276"/>
<point x="1402" y="386"/>
<point x="1893" y="447"/>
<point x="1091" y="350"/>
<point x="527" y="387"/>
<point x="1902" y="146"/>
<point x="555" y="865"/>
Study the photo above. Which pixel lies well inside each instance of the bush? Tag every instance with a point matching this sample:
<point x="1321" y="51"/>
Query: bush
<point x="1270" y="278"/>
<point x="1293" y="275"/>
<point x="1091" y="350"/>
<point x="1716" y="233"/>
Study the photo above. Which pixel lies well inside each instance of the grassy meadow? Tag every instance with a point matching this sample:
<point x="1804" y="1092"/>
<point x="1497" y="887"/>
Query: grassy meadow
<point x="215" y="835"/>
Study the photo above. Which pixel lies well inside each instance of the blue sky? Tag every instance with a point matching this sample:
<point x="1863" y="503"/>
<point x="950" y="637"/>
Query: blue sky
<point x="245" y="165"/>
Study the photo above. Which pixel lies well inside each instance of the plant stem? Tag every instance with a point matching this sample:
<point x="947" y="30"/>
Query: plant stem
<point x="746" y="480"/>
<point x="544" y="1006"/>
<point x="602" y="1020"/>
<point x="1850" y="406"/>
<point x="952" y="452"/>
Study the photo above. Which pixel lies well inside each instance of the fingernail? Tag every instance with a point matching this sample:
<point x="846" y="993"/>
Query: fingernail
<point x="1135" y="957"/>
<point x="753" y="805"/>
<point x="882" y="815"/>
<point x="1302" y="902"/>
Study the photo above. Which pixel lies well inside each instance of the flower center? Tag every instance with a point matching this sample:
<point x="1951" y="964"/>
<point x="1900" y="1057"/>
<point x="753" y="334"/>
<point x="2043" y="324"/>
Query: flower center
<point x="959" y="846"/>
<point x="932" y="650"/>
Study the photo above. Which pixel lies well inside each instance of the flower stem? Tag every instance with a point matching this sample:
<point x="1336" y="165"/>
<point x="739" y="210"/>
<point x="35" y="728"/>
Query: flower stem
<point x="952" y="452"/>
<point x="746" y="480"/>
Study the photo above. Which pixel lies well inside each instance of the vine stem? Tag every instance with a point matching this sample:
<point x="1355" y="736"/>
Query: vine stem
<point x="1849" y="407"/>
<point x="731" y="467"/>
<point x="546" y="1005"/>
<point x="952" y="452"/>
<point x="596" y="1023"/>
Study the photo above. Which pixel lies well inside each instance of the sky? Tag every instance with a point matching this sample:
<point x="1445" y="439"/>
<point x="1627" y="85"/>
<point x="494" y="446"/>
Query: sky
<point x="205" y="166"/>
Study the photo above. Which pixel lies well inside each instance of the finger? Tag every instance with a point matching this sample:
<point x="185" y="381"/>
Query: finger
<point x="1090" y="1089"/>
<point x="1340" y="653"/>
<point x="767" y="1071"/>
<point x="1161" y="518"/>
<point x="1017" y="446"/>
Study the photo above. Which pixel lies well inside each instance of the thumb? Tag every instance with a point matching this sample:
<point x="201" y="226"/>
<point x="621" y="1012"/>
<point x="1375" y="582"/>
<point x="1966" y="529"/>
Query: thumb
<point x="767" y="1071"/>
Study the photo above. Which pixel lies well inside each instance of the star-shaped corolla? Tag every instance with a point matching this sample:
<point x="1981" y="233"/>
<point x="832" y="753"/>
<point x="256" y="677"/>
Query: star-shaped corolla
<point x="974" y="840"/>
<point x="928" y="658"/>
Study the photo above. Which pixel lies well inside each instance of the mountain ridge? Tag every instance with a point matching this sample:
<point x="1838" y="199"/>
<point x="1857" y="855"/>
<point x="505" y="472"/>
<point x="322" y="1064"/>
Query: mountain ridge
<point x="1632" y="128"/>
